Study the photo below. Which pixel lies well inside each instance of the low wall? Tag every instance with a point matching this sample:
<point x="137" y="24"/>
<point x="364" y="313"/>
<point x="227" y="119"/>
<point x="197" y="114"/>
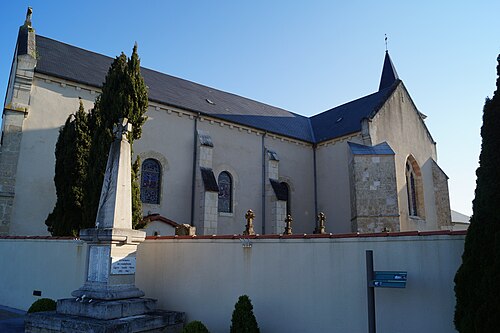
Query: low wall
<point x="296" y="283"/>
<point x="50" y="265"/>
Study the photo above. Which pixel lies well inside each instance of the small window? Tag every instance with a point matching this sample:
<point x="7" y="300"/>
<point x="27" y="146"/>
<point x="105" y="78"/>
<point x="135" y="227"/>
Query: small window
<point x="286" y="191"/>
<point x="225" y="183"/>
<point x="150" y="181"/>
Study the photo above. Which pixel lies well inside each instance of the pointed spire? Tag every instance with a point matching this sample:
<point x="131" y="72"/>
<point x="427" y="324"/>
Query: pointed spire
<point x="389" y="74"/>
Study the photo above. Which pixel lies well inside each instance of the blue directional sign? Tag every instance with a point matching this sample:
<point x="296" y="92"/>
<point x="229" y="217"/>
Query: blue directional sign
<point x="389" y="279"/>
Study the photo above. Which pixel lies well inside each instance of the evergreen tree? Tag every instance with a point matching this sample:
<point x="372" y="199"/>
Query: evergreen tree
<point x="243" y="319"/>
<point x="124" y="95"/>
<point x="72" y="150"/>
<point x="477" y="282"/>
<point x="87" y="137"/>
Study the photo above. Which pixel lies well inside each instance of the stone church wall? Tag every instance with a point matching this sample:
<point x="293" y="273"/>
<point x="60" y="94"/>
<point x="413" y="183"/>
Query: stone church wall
<point x="50" y="104"/>
<point x="374" y="201"/>
<point x="408" y="137"/>
<point x="332" y="160"/>
<point x="168" y="136"/>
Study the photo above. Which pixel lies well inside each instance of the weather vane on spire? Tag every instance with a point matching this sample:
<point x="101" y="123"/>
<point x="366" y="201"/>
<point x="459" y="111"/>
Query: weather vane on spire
<point x="385" y="42"/>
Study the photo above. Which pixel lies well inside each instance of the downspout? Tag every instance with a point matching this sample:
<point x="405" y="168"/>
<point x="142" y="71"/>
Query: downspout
<point x="263" y="185"/>
<point x="193" y="179"/>
<point x="315" y="183"/>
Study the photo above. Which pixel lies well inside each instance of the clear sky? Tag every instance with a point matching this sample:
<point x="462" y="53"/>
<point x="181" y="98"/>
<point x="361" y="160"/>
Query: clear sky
<point x="303" y="56"/>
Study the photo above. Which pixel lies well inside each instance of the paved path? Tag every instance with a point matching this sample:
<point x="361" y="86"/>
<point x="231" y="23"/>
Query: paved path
<point x="11" y="320"/>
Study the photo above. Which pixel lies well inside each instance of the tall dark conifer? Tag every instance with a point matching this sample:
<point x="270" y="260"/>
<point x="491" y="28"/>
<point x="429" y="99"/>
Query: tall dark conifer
<point x="72" y="150"/>
<point x="124" y="95"/>
<point x="477" y="282"/>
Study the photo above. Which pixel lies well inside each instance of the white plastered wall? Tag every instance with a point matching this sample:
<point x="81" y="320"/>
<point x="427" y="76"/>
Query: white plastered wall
<point x="399" y="124"/>
<point x="332" y="160"/>
<point x="35" y="196"/>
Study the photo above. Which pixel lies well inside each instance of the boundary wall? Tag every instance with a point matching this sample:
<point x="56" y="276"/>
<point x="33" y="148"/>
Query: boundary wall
<point x="297" y="283"/>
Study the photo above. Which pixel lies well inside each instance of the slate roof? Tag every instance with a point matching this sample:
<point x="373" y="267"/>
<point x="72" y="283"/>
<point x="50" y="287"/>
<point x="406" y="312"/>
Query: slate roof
<point x="209" y="181"/>
<point x="380" y="149"/>
<point x="389" y="74"/>
<point x="78" y="65"/>
<point x="346" y="119"/>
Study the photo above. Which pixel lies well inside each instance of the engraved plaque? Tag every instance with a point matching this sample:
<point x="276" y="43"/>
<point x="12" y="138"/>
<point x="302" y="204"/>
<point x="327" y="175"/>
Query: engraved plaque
<point x="98" y="264"/>
<point x="122" y="266"/>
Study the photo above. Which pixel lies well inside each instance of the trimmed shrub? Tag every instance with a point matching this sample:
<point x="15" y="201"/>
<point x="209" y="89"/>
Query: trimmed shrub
<point x="43" y="304"/>
<point x="243" y="320"/>
<point x="195" y="327"/>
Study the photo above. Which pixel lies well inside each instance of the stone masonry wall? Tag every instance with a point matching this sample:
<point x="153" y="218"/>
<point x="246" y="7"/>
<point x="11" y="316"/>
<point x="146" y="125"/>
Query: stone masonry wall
<point x="15" y="111"/>
<point x="374" y="189"/>
<point x="441" y="196"/>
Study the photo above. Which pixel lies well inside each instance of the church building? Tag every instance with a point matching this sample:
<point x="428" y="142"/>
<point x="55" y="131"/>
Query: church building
<point x="208" y="156"/>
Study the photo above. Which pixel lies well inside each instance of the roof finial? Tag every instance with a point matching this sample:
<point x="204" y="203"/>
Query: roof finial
<point x="385" y="42"/>
<point x="27" y="22"/>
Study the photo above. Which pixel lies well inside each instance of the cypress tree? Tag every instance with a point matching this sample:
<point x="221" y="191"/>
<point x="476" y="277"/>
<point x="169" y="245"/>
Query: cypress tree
<point x="87" y="137"/>
<point x="243" y="320"/>
<point x="477" y="282"/>
<point x="72" y="150"/>
<point x="124" y="95"/>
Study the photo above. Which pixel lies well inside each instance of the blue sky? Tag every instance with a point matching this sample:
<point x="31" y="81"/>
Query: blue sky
<point x="303" y="56"/>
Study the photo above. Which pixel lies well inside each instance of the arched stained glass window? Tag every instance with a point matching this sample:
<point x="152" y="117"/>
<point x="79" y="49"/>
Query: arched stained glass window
<point x="150" y="181"/>
<point x="225" y="192"/>
<point x="414" y="189"/>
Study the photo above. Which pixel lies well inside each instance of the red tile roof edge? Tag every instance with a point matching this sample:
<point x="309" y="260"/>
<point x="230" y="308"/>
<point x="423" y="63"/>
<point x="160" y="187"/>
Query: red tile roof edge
<point x="273" y="236"/>
<point x="319" y="236"/>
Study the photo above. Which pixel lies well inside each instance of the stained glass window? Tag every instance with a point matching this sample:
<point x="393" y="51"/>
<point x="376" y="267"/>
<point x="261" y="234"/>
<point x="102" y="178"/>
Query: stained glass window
<point x="150" y="181"/>
<point x="411" y="190"/>
<point x="225" y="192"/>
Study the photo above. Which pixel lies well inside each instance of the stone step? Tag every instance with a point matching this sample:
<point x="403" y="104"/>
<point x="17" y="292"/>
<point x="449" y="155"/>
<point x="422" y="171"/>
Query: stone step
<point x="100" y="309"/>
<point x="151" y="322"/>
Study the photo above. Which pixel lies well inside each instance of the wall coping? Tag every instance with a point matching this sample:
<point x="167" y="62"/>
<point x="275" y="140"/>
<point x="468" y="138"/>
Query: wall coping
<point x="296" y="236"/>
<point x="320" y="236"/>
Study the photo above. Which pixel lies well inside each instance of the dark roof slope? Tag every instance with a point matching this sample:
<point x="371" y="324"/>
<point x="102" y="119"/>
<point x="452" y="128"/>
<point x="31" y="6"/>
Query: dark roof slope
<point x="75" y="64"/>
<point x="346" y="119"/>
<point x="389" y="74"/>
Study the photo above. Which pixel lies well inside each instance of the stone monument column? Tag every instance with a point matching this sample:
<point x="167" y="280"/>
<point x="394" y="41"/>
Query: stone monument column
<point x="109" y="301"/>
<point x="113" y="242"/>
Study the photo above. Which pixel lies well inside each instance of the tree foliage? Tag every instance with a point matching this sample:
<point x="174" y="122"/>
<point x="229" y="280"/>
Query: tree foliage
<point x="243" y="319"/>
<point x="42" y="305"/>
<point x="124" y="95"/>
<point x="195" y="327"/>
<point x="72" y="149"/>
<point x="477" y="282"/>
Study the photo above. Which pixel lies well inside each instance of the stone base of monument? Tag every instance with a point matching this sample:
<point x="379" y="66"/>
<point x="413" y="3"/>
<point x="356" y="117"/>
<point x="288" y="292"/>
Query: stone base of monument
<point x="117" y="316"/>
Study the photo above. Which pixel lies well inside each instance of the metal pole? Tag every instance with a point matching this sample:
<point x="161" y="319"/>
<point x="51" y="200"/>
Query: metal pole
<point x="372" y="327"/>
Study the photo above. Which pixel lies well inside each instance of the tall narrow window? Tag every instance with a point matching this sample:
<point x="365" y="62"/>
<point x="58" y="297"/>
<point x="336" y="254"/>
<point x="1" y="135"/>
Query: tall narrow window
<point x="414" y="189"/>
<point x="225" y="192"/>
<point x="150" y="181"/>
<point x="286" y="191"/>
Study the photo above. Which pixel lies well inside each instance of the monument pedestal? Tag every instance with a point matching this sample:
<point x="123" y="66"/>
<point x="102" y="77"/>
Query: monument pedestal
<point x="155" y="321"/>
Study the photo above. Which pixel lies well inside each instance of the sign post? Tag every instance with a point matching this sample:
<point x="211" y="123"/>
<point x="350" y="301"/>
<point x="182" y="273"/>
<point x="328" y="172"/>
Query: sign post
<point x="379" y="279"/>
<point x="372" y="327"/>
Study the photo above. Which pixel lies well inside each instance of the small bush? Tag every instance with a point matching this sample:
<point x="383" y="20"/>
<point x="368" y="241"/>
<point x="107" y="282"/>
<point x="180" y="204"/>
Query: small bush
<point x="195" y="327"/>
<point x="243" y="320"/>
<point x="43" y="304"/>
